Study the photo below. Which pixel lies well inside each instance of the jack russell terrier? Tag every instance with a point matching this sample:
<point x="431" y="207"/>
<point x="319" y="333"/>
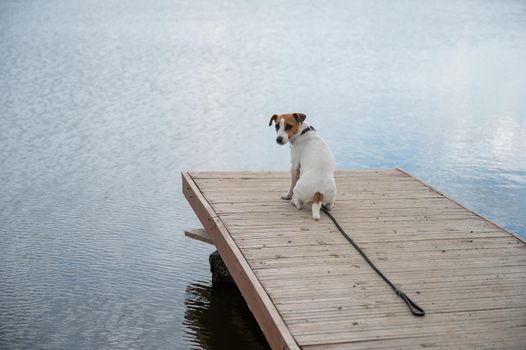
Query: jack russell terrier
<point x="313" y="164"/>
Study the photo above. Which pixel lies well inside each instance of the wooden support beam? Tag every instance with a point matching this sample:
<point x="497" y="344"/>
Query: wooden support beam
<point x="199" y="234"/>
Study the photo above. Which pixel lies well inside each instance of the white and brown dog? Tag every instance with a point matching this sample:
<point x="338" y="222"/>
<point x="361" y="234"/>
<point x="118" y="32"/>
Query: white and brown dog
<point x="313" y="164"/>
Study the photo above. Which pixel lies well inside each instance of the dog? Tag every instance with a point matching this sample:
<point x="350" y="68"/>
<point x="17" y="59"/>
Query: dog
<point x="313" y="164"/>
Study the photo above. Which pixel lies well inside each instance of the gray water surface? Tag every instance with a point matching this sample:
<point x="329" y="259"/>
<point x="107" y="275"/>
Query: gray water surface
<point x="103" y="103"/>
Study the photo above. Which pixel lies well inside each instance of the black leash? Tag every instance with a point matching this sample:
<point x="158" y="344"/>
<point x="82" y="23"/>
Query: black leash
<point x="413" y="307"/>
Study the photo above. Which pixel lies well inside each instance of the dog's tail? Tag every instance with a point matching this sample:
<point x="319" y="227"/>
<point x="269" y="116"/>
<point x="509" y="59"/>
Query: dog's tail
<point x="317" y="201"/>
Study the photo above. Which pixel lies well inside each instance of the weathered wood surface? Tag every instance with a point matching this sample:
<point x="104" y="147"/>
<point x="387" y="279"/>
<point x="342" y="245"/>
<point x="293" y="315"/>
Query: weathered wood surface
<point x="199" y="234"/>
<point x="309" y="289"/>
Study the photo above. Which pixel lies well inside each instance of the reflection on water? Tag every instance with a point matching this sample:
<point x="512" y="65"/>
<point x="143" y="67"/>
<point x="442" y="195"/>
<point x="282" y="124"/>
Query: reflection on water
<point x="216" y="317"/>
<point x="104" y="102"/>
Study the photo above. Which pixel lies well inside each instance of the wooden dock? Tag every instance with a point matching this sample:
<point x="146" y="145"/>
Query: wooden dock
<point x="308" y="288"/>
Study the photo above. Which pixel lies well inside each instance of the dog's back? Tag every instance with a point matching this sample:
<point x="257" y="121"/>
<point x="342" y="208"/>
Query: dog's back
<point x="316" y="184"/>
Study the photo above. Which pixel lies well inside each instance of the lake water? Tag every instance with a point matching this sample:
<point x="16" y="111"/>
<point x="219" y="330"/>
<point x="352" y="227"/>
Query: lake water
<point x="103" y="103"/>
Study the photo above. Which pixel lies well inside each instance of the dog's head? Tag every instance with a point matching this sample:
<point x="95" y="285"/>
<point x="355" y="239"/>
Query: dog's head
<point x="287" y="126"/>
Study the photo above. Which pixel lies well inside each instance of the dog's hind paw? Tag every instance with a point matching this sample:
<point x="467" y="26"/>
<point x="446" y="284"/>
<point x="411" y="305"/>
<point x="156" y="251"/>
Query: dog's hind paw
<point x="286" y="195"/>
<point x="297" y="203"/>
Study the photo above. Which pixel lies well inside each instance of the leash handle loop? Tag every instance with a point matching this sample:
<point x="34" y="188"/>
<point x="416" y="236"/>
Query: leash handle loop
<point x="413" y="307"/>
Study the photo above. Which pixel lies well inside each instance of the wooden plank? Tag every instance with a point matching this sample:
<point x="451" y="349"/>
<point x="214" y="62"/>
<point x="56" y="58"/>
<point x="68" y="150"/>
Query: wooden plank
<point x="354" y="264"/>
<point x="199" y="234"/>
<point x="312" y="299"/>
<point x="377" y="306"/>
<point x="353" y="211"/>
<point x="264" y="311"/>
<point x="352" y="267"/>
<point x="458" y="339"/>
<point x="370" y="329"/>
<point x="401" y="245"/>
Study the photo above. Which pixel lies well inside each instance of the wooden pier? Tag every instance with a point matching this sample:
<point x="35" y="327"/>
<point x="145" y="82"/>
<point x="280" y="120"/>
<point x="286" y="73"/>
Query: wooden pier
<point x="308" y="288"/>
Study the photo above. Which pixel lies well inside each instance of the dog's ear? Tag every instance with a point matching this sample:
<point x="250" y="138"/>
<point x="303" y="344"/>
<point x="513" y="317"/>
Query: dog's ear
<point x="300" y="117"/>
<point x="272" y="119"/>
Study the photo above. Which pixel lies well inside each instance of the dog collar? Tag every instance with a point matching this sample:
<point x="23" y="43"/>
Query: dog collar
<point x="306" y="130"/>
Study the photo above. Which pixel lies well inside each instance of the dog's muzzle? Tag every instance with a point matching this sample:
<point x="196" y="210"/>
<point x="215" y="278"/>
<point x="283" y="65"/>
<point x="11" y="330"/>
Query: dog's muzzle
<point x="279" y="140"/>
